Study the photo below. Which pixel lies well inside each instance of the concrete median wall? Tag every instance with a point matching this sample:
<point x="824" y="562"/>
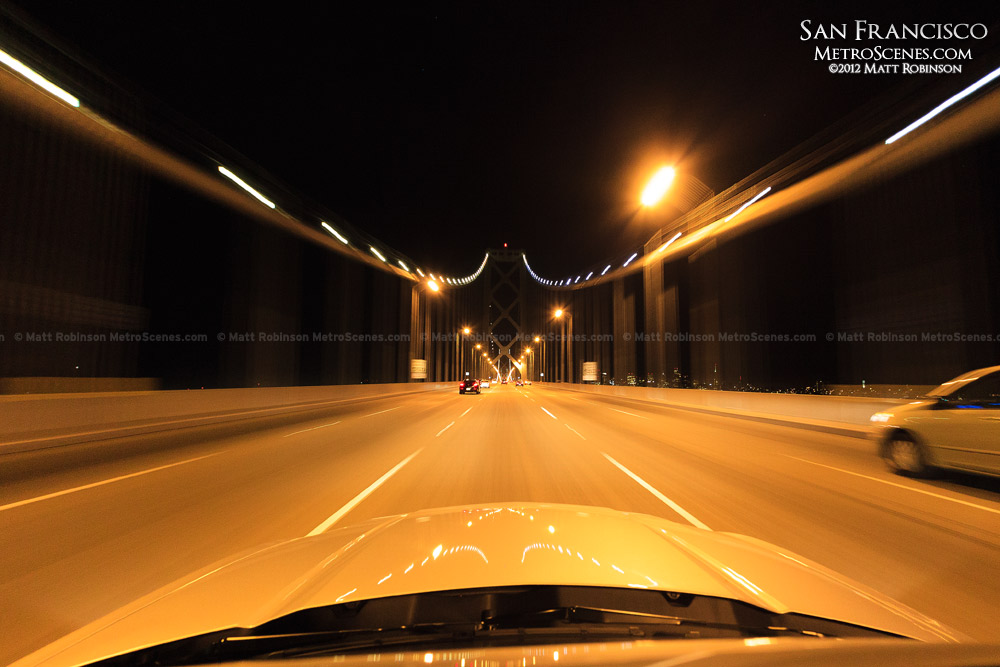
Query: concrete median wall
<point x="842" y="409"/>
<point x="28" y="421"/>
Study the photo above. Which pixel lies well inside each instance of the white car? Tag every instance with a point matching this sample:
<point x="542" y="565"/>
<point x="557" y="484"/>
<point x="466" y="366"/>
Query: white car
<point x="511" y="583"/>
<point x="484" y="384"/>
<point x="956" y="426"/>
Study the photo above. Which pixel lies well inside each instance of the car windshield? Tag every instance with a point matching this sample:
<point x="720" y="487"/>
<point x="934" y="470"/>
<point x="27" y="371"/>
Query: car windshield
<point x="955" y="389"/>
<point x="450" y="620"/>
<point x="314" y="304"/>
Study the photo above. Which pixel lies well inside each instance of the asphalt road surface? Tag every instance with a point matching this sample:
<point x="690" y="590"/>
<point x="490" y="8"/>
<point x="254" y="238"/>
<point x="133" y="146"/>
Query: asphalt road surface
<point x="89" y="527"/>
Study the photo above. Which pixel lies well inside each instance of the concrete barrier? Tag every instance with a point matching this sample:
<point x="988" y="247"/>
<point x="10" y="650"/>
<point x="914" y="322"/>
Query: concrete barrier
<point x="843" y="415"/>
<point x="36" y="421"/>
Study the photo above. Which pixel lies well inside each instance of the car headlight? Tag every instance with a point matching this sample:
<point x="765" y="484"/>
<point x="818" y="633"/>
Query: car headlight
<point x="880" y="417"/>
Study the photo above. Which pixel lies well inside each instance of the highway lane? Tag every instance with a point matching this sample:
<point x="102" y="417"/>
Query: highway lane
<point x="78" y="541"/>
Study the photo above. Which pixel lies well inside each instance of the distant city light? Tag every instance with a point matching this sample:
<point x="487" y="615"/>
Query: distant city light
<point x="944" y="105"/>
<point x="340" y="237"/>
<point x="240" y="182"/>
<point x="37" y="79"/>
<point x="658" y="186"/>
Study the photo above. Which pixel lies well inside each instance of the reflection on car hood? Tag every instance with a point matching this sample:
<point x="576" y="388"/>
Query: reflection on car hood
<point x="485" y="546"/>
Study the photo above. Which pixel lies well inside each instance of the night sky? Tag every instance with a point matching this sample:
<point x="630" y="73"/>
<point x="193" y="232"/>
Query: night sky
<point x="446" y="128"/>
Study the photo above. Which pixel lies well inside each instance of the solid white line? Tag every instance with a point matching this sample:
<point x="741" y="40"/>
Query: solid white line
<point x="381" y="411"/>
<point x="445" y="429"/>
<point x="901" y="486"/>
<point x="628" y="413"/>
<point x="549" y="413"/>
<point x="353" y="502"/>
<point x="464" y="413"/>
<point x="574" y="431"/>
<point x="107" y="481"/>
<point x="311" y="429"/>
<point x="674" y="506"/>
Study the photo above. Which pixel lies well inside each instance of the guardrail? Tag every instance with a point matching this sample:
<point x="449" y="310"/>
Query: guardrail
<point x="844" y="415"/>
<point x="45" y="420"/>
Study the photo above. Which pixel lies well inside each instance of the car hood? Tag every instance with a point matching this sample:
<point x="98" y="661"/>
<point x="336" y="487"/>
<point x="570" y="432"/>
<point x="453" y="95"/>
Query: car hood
<point x="484" y="546"/>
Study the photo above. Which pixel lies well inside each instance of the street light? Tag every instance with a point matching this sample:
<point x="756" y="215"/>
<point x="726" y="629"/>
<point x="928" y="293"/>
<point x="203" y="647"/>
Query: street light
<point x="566" y="367"/>
<point x="658" y="186"/>
<point x="687" y="193"/>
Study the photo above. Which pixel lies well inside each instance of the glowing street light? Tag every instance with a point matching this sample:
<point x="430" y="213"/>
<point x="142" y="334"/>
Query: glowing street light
<point x="434" y="287"/>
<point x="559" y="312"/>
<point x="658" y="186"/>
<point x="466" y="331"/>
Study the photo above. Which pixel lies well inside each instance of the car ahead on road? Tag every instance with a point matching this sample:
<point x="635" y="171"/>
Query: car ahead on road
<point x="518" y="384"/>
<point x="513" y="583"/>
<point x="484" y="384"/>
<point x="468" y="387"/>
<point x="956" y="426"/>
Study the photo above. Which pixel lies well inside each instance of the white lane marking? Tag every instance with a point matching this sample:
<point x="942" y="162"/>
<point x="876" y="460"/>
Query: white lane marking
<point x="628" y="413"/>
<point x="667" y="501"/>
<point x="464" y="413"/>
<point x="549" y="413"/>
<point x="901" y="486"/>
<point x="445" y="429"/>
<point x="311" y="429"/>
<point x="102" y="483"/>
<point x="381" y="411"/>
<point x="353" y="502"/>
<point x="574" y="431"/>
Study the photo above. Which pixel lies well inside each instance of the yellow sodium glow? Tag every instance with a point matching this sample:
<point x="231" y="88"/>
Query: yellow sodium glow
<point x="658" y="186"/>
<point x="433" y="285"/>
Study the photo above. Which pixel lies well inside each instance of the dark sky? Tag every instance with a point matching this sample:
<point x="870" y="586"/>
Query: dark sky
<point x="446" y="128"/>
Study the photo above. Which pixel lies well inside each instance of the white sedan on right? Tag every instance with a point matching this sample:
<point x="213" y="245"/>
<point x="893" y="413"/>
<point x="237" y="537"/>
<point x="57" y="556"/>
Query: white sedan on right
<point x="957" y="426"/>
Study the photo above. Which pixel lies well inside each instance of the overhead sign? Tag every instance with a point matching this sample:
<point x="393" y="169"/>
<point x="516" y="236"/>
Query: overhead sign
<point x="418" y="369"/>
<point x="590" y="371"/>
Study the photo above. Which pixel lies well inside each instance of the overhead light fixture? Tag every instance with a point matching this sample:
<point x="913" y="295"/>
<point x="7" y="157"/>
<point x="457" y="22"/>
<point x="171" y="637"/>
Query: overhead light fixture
<point x="740" y="209"/>
<point x="376" y="252"/>
<point x="240" y="182"/>
<point x="629" y="260"/>
<point x="37" y="79"/>
<point x="664" y="246"/>
<point x="944" y="105"/>
<point x="340" y="237"/>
